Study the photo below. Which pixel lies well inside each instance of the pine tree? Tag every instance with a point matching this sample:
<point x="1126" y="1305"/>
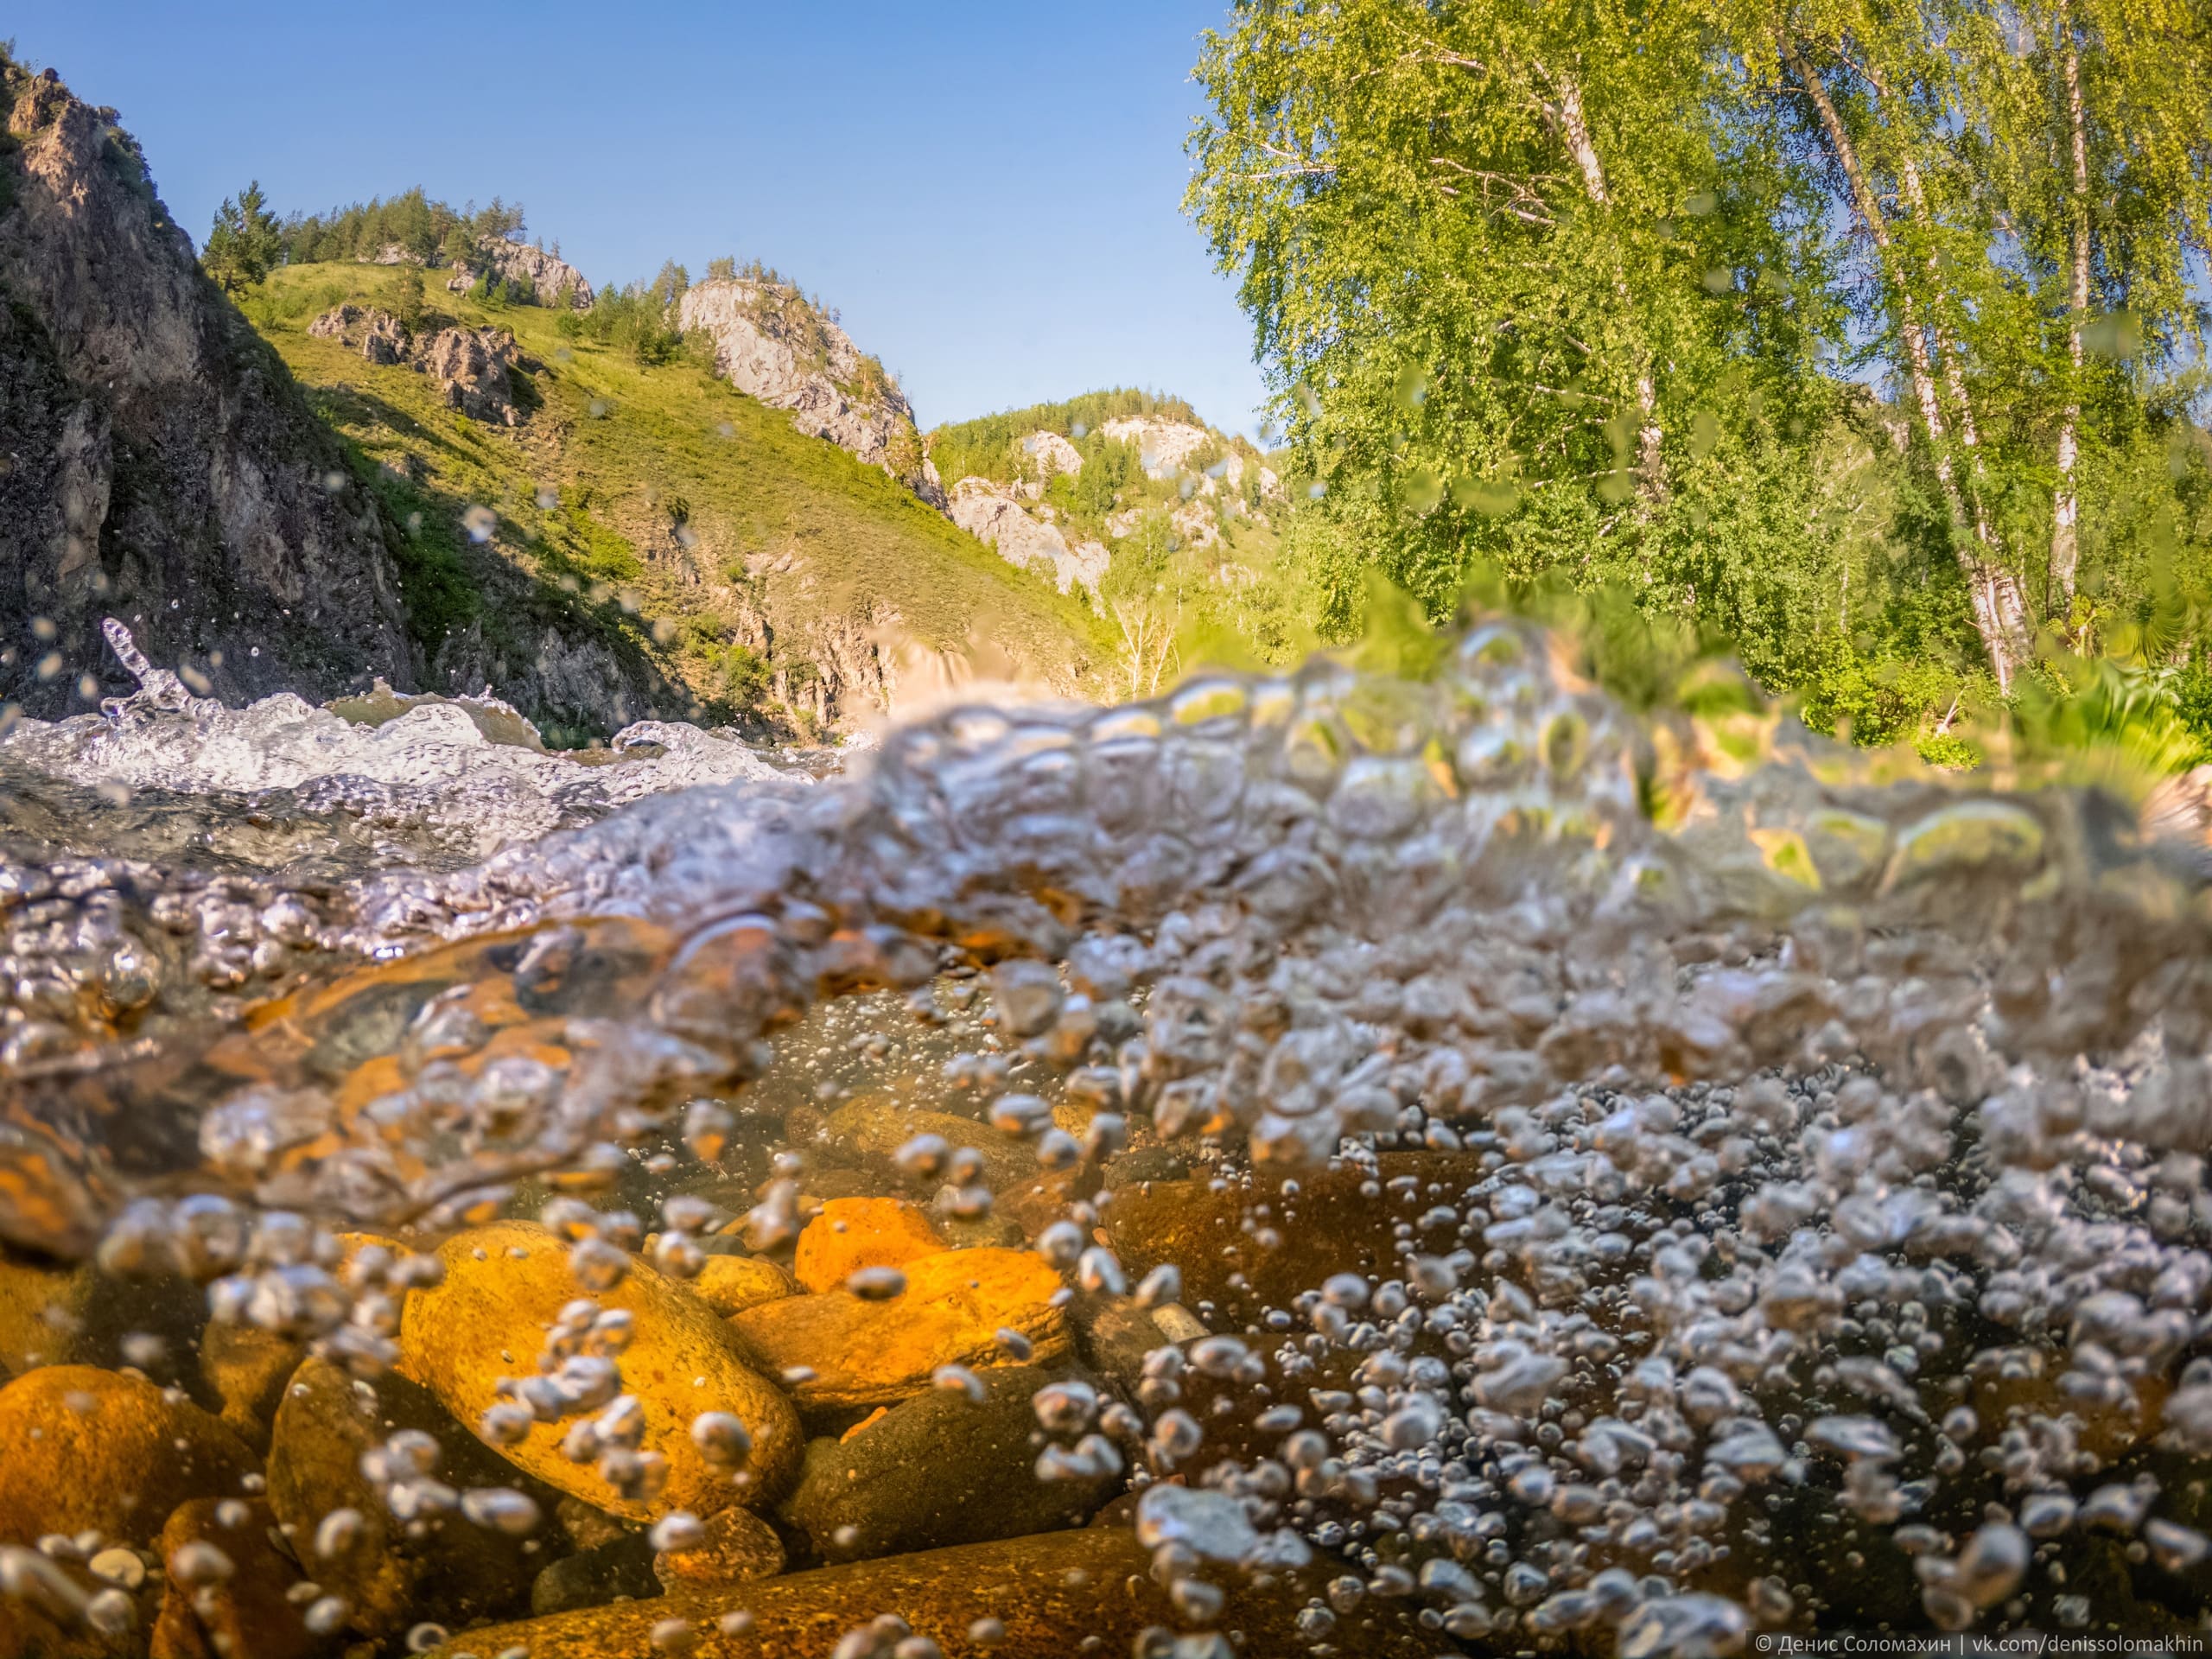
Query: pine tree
<point x="245" y="241"/>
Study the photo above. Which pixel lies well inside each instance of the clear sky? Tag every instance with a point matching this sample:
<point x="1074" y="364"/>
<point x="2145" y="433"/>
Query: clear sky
<point x="989" y="191"/>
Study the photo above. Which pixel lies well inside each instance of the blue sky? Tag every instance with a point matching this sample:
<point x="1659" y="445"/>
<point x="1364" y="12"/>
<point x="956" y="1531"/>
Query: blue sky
<point x="987" y="191"/>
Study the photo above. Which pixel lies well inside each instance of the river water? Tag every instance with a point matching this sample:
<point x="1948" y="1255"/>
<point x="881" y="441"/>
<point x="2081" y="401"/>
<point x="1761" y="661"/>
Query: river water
<point x="1326" y="1164"/>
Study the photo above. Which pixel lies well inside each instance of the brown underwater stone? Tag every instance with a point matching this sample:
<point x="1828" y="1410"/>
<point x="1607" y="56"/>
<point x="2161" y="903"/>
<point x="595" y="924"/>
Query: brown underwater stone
<point x="391" y="1576"/>
<point x="505" y="1285"/>
<point x="941" y="1469"/>
<point x="244" y="1614"/>
<point x="871" y="1353"/>
<point x="730" y="1284"/>
<point x="850" y="1234"/>
<point x="82" y="1449"/>
<point x="1052" y="1593"/>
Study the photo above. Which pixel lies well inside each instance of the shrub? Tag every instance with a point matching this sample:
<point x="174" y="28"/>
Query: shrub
<point x="408" y="301"/>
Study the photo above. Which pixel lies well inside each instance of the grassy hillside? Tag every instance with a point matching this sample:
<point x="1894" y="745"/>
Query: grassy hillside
<point x="682" y="526"/>
<point x="1176" y="598"/>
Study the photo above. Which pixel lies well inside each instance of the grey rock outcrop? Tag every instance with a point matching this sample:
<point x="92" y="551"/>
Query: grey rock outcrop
<point x="157" y="463"/>
<point x="472" y="365"/>
<point x="1051" y="453"/>
<point x="997" y="518"/>
<point x="1164" y="448"/>
<point x="547" y="274"/>
<point x="772" y="344"/>
<point x="376" y="334"/>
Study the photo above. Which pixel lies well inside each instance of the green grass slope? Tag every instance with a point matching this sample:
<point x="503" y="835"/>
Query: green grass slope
<point x="1177" y="597"/>
<point x="690" y="530"/>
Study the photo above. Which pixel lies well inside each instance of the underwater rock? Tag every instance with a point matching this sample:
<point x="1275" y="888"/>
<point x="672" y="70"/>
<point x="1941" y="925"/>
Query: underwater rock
<point x="858" y="1351"/>
<point x="850" y="1234"/>
<point x="874" y="1126"/>
<point x="1329" y="1226"/>
<point x="620" y="1569"/>
<point x="1048" y="1596"/>
<point x="735" y="1546"/>
<point x="940" y="1469"/>
<point x="87" y="1450"/>
<point x="391" y="1572"/>
<point x="507" y="1284"/>
<point x="44" y="1603"/>
<point x="247" y="1368"/>
<point x="730" y="1284"/>
<point x="225" y="1595"/>
<point x="38" y="1315"/>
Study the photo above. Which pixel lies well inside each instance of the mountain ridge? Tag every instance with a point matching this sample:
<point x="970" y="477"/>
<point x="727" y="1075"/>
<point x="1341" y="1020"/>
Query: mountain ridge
<point x="601" y="505"/>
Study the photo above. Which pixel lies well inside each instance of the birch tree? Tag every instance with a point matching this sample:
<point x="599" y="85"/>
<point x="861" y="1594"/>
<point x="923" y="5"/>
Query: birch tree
<point x="1500" y="268"/>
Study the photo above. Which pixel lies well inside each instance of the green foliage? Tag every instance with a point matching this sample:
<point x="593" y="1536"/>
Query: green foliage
<point x="1569" y="289"/>
<point x="407" y="298"/>
<point x="633" y="320"/>
<point x="411" y="222"/>
<point x="989" y="446"/>
<point x="670" y="285"/>
<point x="245" y="241"/>
<point x="492" y="290"/>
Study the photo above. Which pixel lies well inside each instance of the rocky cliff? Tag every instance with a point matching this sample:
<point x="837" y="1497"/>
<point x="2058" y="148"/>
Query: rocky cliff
<point x="547" y="275"/>
<point x="1025" y="538"/>
<point x="774" y="345"/>
<point x="1054" y="487"/>
<point x="157" y="462"/>
<point x="474" y="367"/>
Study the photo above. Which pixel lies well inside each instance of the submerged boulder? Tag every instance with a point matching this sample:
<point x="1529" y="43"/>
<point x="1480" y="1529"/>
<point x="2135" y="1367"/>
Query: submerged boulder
<point x="1045" y="1597"/>
<point x="507" y="1284"/>
<point x="942" y="1469"/>
<point x="842" y="1348"/>
<point x="85" y="1450"/>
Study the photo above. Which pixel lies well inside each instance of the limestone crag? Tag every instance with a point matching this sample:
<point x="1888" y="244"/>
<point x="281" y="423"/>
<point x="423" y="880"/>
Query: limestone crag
<point x="1196" y="522"/>
<point x="548" y="275"/>
<point x="772" y="344"/>
<point x="157" y="463"/>
<point x="996" y="518"/>
<point x="473" y="366"/>
<point x="545" y="275"/>
<point x="376" y="334"/>
<point x="1165" y="446"/>
<point x="1052" y="454"/>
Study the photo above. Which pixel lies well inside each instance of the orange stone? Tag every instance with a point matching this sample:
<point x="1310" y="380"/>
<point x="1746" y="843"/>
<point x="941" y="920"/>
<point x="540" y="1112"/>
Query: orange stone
<point x="506" y="1283"/>
<point x="730" y="1284"/>
<point x="854" y="1233"/>
<point x="243" y="1614"/>
<point x="857" y="1352"/>
<point x="89" y="1450"/>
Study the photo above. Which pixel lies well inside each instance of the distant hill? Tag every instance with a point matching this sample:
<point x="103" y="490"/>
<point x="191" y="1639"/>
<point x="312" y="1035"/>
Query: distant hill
<point x="424" y="450"/>
<point x="1173" y="528"/>
<point x="755" y="568"/>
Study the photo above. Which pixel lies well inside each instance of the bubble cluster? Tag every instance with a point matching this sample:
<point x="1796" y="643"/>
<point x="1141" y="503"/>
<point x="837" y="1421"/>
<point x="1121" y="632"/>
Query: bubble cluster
<point x="1508" y="1171"/>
